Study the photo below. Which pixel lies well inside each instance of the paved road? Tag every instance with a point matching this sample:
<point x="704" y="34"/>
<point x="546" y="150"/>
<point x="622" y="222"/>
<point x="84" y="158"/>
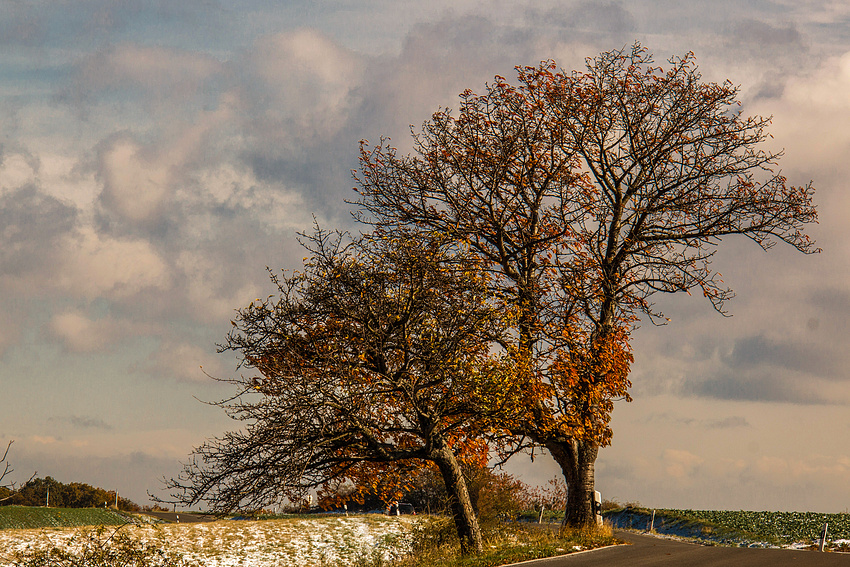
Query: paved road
<point x="182" y="517"/>
<point x="646" y="551"/>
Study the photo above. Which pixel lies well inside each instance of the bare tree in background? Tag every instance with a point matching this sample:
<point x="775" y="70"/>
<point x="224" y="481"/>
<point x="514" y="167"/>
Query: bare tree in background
<point x="7" y="490"/>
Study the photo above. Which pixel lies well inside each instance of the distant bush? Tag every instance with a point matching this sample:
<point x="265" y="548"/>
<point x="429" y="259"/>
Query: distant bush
<point x="154" y="508"/>
<point x="73" y="495"/>
<point x="616" y="505"/>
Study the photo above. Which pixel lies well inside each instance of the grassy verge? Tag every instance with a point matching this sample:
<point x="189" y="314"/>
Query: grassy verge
<point x="434" y="543"/>
<point x="26" y="517"/>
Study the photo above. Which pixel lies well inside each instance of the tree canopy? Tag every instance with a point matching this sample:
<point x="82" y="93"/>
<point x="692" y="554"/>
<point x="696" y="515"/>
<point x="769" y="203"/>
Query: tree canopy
<point x="369" y="364"/>
<point x="512" y="254"/>
<point x="584" y="193"/>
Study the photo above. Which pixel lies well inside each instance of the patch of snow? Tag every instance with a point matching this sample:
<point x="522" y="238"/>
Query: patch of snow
<point x="287" y="542"/>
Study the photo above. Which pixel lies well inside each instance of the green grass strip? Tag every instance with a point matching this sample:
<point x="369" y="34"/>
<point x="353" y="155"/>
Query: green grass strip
<point x="27" y="517"/>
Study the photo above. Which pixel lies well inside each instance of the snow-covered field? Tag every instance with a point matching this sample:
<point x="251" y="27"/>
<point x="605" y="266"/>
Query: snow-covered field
<point x="294" y="542"/>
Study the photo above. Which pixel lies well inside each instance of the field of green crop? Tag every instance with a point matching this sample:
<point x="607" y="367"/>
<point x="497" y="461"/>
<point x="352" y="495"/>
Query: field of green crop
<point x="784" y="527"/>
<point x="24" y="517"/>
<point x="777" y="528"/>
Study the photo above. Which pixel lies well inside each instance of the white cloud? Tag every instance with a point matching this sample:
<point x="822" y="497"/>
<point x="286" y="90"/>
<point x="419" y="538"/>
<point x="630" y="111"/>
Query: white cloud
<point x="812" y="117"/>
<point x="98" y="266"/>
<point x="18" y="169"/>
<point x="140" y="182"/>
<point x="301" y="85"/>
<point x="135" y="185"/>
<point x="79" y="333"/>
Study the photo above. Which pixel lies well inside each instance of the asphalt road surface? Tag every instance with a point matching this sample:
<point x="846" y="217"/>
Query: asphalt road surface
<point x="181" y="517"/>
<point x="651" y="551"/>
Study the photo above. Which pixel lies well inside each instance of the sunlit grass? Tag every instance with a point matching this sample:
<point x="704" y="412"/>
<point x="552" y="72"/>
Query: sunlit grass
<point x="435" y="544"/>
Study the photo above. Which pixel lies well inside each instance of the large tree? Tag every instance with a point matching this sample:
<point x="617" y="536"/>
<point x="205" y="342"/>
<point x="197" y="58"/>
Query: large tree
<point x="585" y="193"/>
<point x="369" y="365"/>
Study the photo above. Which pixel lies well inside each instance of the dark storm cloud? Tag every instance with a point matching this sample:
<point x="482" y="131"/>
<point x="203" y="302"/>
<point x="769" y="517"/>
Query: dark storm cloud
<point x="761" y="351"/>
<point x="801" y="367"/>
<point x="759" y="387"/>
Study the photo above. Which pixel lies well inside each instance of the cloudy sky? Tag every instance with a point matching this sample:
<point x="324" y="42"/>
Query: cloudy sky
<point x="156" y="156"/>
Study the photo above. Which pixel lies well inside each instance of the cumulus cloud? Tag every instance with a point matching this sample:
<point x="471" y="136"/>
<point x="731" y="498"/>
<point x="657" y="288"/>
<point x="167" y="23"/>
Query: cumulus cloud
<point x="208" y="292"/>
<point x="191" y="140"/>
<point x="135" y="186"/>
<point x="140" y="182"/>
<point x="787" y="367"/>
<point x="18" y="169"/>
<point x="80" y="333"/>
<point x="303" y="82"/>
<point x="99" y="266"/>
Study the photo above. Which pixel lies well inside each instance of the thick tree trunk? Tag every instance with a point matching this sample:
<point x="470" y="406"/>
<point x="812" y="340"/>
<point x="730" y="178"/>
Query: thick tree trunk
<point x="465" y="519"/>
<point x="577" y="460"/>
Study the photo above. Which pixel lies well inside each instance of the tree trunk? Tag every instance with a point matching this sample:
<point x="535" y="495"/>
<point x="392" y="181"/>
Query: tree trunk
<point x="577" y="459"/>
<point x="466" y="522"/>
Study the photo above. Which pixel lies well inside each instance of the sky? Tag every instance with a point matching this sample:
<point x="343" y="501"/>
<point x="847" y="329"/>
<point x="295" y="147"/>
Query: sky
<point x="157" y="156"/>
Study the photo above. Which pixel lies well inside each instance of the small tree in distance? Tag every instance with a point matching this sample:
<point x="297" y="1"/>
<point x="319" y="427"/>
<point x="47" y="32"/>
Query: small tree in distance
<point x="370" y="363"/>
<point x="583" y="194"/>
<point x="5" y="490"/>
<point x="8" y="490"/>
